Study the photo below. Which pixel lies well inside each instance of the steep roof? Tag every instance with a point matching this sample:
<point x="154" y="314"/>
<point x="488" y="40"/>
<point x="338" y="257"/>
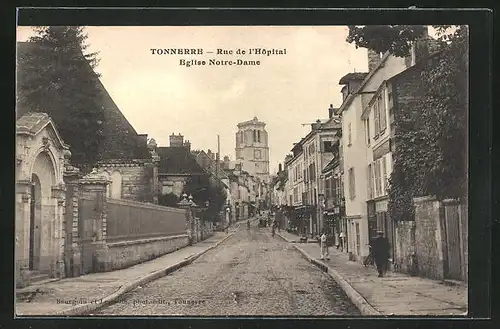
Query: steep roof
<point x="178" y="160"/>
<point x="367" y="78"/>
<point x="121" y="141"/>
<point x="352" y="76"/>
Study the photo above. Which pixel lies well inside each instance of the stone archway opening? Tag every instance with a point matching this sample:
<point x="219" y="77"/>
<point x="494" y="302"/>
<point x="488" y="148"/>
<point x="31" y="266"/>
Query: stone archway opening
<point x="42" y="213"/>
<point x="34" y="226"/>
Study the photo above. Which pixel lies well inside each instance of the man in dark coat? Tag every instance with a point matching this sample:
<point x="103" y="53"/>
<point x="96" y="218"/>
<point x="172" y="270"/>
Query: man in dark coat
<point x="380" y="250"/>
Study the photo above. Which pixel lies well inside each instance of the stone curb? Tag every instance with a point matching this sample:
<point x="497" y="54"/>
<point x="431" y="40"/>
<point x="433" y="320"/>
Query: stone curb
<point x="89" y="307"/>
<point x="356" y="298"/>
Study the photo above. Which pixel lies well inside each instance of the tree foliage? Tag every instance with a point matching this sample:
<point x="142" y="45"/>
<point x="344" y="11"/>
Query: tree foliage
<point x="381" y="38"/>
<point x="56" y="76"/>
<point x="430" y="132"/>
<point x="203" y="189"/>
<point x="168" y="200"/>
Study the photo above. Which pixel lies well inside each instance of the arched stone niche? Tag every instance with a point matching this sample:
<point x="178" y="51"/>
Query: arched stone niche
<point x="40" y="195"/>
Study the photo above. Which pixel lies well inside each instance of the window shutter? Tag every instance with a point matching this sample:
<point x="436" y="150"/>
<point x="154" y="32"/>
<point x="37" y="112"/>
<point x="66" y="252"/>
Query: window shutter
<point x="384" y="174"/>
<point x="383" y="115"/>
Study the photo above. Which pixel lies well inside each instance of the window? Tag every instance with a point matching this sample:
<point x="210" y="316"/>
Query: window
<point x="327" y="188"/>
<point x="341" y="180"/>
<point x="352" y="191"/>
<point x="349" y="137"/>
<point x="377" y="178"/>
<point x="116" y="185"/>
<point x="384" y="175"/>
<point x="383" y="117"/>
<point x="358" y="240"/>
<point x="312" y="172"/>
<point x="367" y="130"/>
<point x="379" y="112"/>
<point x="258" y="136"/>
<point x="370" y="182"/>
<point x="254" y="135"/>
<point x="328" y="146"/>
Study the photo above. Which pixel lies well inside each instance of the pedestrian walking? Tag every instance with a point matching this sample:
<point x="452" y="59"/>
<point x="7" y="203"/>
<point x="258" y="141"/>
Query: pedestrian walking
<point x="324" y="246"/>
<point x="337" y="240"/>
<point x="380" y="249"/>
<point x="342" y="240"/>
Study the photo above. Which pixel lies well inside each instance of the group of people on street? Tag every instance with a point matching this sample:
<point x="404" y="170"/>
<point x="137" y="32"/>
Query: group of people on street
<point x="379" y="250"/>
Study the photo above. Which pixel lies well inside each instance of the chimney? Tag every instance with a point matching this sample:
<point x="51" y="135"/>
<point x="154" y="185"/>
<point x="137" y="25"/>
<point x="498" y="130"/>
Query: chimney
<point x="373" y="59"/>
<point x="331" y="111"/>
<point x="187" y="144"/>
<point x="423" y="47"/>
<point x="280" y="168"/>
<point x="211" y="155"/>
<point x="316" y="125"/>
<point x="176" y="140"/>
<point x="226" y="162"/>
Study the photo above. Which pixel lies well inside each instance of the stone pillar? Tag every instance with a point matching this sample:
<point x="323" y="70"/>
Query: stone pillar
<point x="22" y="222"/>
<point x="58" y="232"/>
<point x="72" y="255"/>
<point x="190" y="230"/>
<point x="94" y="186"/>
<point x="152" y="146"/>
<point x="198" y="234"/>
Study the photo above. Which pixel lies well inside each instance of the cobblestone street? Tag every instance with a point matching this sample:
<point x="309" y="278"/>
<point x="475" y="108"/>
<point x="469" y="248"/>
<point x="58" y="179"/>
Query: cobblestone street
<point x="251" y="273"/>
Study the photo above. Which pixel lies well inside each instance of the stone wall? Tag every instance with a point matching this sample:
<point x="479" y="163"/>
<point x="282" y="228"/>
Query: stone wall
<point x="136" y="178"/>
<point x="127" y="220"/>
<point x="429" y="245"/>
<point x="123" y="254"/>
<point x="405" y="248"/>
<point x="421" y="246"/>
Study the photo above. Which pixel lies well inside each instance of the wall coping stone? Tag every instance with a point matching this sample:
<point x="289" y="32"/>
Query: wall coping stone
<point x="94" y="178"/>
<point x="125" y="202"/>
<point x="451" y="201"/>
<point x="123" y="162"/>
<point x="144" y="241"/>
<point x="423" y="199"/>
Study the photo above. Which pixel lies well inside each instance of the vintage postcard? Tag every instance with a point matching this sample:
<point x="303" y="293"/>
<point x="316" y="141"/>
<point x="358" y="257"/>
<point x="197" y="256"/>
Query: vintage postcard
<point x="241" y="170"/>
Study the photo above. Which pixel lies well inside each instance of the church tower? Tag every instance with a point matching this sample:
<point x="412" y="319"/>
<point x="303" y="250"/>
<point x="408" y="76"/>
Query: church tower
<point x="252" y="149"/>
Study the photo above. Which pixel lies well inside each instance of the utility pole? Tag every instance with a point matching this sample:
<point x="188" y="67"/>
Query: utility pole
<point x="217" y="158"/>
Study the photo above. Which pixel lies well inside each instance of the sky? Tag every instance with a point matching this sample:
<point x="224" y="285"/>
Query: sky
<point x="160" y="97"/>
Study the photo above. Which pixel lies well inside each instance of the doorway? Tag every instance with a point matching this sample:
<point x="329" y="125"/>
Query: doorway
<point x="34" y="231"/>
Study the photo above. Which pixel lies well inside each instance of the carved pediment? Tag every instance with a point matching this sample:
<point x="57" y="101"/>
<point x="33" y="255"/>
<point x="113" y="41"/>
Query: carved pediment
<point x="33" y="123"/>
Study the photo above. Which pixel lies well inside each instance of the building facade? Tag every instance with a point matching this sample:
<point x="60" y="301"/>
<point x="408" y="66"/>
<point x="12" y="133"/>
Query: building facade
<point x="294" y="164"/>
<point x="176" y="166"/>
<point x="252" y="149"/>
<point x="358" y="92"/>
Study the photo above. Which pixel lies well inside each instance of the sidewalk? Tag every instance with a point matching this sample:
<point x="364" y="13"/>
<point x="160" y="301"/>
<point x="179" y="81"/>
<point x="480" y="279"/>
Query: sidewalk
<point x="394" y="294"/>
<point x="80" y="295"/>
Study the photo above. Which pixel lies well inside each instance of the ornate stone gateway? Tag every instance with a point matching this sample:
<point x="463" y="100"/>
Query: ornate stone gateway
<point x="40" y="196"/>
